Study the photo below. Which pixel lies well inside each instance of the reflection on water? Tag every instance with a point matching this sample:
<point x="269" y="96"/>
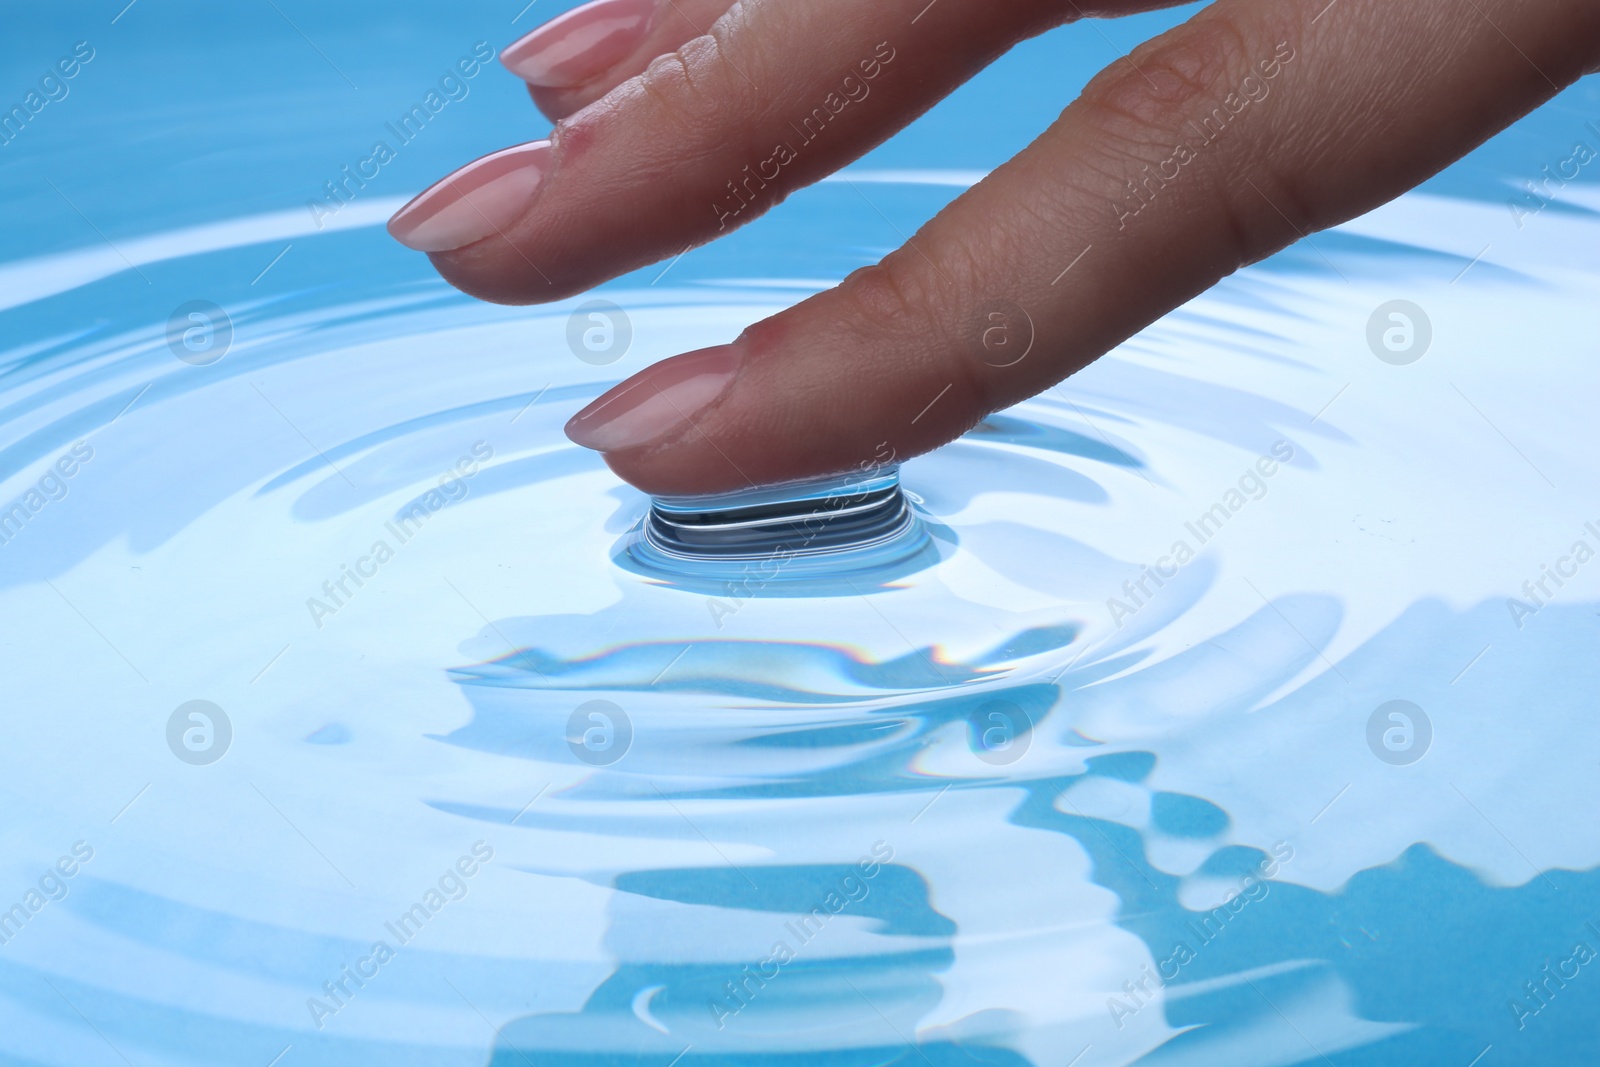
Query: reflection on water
<point x="1107" y="771"/>
<point x="1051" y="789"/>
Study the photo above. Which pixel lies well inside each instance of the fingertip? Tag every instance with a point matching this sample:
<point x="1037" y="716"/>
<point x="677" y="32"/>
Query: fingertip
<point x="580" y="46"/>
<point x="677" y="472"/>
<point x="664" y="400"/>
<point x="557" y="104"/>
<point x="478" y="200"/>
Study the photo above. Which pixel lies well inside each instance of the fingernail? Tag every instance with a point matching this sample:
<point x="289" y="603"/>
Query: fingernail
<point x="580" y="45"/>
<point x="481" y="198"/>
<point x="656" y="401"/>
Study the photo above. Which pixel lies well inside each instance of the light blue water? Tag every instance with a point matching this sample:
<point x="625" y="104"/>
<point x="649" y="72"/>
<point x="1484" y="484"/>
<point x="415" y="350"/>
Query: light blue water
<point x="990" y="805"/>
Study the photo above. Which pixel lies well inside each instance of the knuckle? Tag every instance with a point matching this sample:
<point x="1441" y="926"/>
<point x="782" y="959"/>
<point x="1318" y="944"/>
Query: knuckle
<point x="1204" y="84"/>
<point x="697" y="82"/>
<point x="1169" y="86"/>
<point x="887" y="299"/>
<point x="735" y="23"/>
<point x="680" y="101"/>
<point x="906" y="304"/>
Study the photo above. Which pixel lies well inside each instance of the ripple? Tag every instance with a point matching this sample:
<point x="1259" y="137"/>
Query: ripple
<point x="951" y="811"/>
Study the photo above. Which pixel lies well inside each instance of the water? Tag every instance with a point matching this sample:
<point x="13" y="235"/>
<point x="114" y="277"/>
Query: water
<point x="975" y="803"/>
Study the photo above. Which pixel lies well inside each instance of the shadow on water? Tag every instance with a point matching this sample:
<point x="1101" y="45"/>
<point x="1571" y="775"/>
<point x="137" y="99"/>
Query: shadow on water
<point x="1174" y="763"/>
<point x="1243" y="965"/>
<point x="1405" y="944"/>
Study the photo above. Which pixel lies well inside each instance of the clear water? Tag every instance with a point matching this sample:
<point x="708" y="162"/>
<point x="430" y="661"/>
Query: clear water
<point x="961" y="808"/>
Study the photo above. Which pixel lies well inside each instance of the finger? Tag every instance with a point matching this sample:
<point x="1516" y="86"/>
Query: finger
<point x="776" y="95"/>
<point x="1224" y="140"/>
<point x="579" y="56"/>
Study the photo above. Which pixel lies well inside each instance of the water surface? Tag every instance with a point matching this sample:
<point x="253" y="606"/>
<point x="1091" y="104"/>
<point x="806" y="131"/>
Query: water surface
<point x="1111" y="773"/>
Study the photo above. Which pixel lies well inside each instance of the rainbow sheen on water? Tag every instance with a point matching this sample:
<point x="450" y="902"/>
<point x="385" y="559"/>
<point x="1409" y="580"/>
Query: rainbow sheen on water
<point x="1221" y="707"/>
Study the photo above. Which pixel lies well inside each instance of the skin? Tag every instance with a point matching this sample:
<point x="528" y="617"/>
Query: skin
<point x="1379" y="95"/>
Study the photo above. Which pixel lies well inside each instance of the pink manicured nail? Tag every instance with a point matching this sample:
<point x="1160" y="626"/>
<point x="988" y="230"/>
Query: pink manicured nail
<point x="657" y="400"/>
<point x="580" y="45"/>
<point x="481" y="198"/>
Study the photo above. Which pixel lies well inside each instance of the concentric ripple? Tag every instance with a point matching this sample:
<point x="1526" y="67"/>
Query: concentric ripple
<point x="1107" y="765"/>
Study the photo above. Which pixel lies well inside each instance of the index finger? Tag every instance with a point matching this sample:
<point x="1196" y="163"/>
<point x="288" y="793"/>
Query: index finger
<point x="775" y="96"/>
<point x="1257" y="122"/>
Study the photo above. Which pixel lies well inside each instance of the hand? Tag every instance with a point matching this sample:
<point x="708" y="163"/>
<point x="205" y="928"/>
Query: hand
<point x="1212" y="146"/>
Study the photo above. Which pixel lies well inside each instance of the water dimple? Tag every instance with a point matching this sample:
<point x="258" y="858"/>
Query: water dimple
<point x="676" y="756"/>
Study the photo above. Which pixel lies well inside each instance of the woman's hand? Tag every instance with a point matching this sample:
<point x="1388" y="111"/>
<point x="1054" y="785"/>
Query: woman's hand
<point x="1212" y="146"/>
